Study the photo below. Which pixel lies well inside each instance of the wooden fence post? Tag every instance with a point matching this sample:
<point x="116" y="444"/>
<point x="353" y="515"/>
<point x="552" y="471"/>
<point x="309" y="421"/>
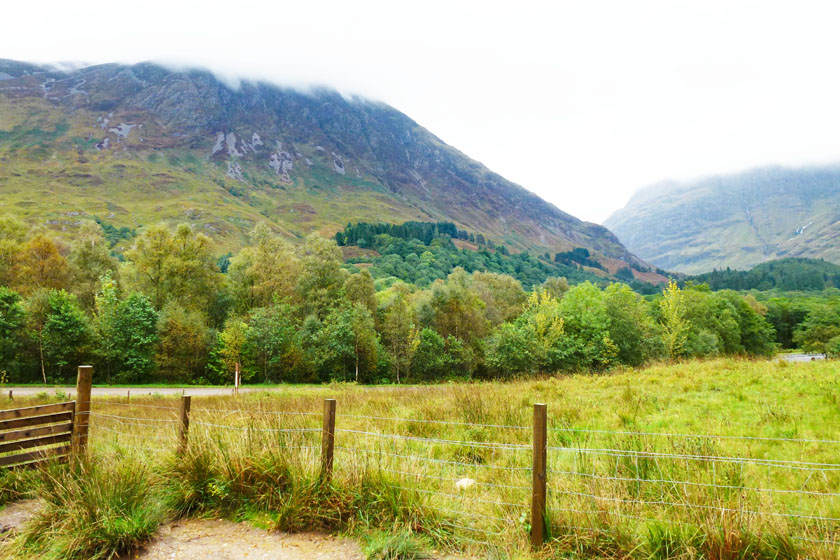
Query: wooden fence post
<point x="11" y="398"/>
<point x="538" y="491"/>
<point x="81" y="419"/>
<point x="328" y="440"/>
<point x="184" y="425"/>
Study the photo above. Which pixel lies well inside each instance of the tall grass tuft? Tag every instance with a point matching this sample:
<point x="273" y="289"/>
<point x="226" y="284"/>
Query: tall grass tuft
<point x="17" y="484"/>
<point x="401" y="546"/>
<point x="93" y="511"/>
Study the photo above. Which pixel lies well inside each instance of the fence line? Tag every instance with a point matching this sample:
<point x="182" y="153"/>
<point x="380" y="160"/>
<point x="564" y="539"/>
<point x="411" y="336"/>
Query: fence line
<point x="692" y="483"/>
<point x="694" y="436"/>
<point x="694" y="506"/>
<point x="130" y="418"/>
<point x="800" y="465"/>
<point x="482" y="444"/>
<point x="504" y="489"/>
<point x="441" y="422"/>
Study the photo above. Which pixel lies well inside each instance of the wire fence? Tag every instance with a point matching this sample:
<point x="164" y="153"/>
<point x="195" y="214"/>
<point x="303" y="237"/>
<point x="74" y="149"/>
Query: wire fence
<point x="479" y="478"/>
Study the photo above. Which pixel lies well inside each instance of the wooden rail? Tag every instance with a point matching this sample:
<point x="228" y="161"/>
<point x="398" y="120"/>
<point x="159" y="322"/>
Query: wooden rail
<point x="44" y="430"/>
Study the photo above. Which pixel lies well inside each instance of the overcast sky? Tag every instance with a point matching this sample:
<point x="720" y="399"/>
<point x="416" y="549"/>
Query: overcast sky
<point x="581" y="102"/>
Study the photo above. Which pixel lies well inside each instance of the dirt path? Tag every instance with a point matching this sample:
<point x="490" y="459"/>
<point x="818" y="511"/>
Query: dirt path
<point x="203" y="539"/>
<point x="214" y="539"/>
<point x="15" y="514"/>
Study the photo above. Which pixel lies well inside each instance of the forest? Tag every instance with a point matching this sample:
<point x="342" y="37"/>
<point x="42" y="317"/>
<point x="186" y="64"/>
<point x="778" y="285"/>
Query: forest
<point x="168" y="309"/>
<point x="791" y="274"/>
<point x="421" y="252"/>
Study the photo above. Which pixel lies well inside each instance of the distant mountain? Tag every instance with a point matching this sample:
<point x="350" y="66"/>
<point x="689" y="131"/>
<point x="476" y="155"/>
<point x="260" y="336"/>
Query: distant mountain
<point x="735" y="221"/>
<point x="134" y="145"/>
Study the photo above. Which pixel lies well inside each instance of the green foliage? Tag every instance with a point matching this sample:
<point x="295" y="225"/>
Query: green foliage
<point x="785" y="315"/>
<point x="399" y="333"/>
<point x="514" y="349"/>
<point x="672" y="317"/>
<point x="93" y="510"/>
<point x="173" y="267"/>
<point x="321" y="279"/>
<point x="291" y="314"/>
<point x="587" y="343"/>
<point x="818" y="332"/>
<point x="12" y="325"/>
<point x="64" y="336"/>
<point x="793" y="274"/>
<point x="347" y="345"/>
<point x="263" y="272"/>
<point x="418" y="253"/>
<point x="89" y="260"/>
<point x="436" y="358"/>
<point x="363" y="234"/>
<point x="402" y="546"/>
<point x="698" y="322"/>
<point x="579" y="255"/>
<point x="113" y="234"/>
<point x="184" y="343"/>
<point x="359" y="288"/>
<point x="127" y="334"/>
<point x="631" y="326"/>
<point x="272" y="343"/>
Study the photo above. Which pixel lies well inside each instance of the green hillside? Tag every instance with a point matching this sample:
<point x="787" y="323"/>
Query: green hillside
<point x="136" y="145"/>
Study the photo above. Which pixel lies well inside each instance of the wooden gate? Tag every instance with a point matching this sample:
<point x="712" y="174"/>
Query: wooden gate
<point x="45" y="431"/>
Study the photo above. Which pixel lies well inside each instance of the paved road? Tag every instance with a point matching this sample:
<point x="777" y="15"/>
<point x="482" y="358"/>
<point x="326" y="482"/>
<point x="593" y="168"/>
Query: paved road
<point x="138" y="391"/>
<point x="803" y="357"/>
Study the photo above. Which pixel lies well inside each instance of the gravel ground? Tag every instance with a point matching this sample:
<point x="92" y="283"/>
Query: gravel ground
<point x="214" y="539"/>
<point x="205" y="539"/>
<point x="15" y="514"/>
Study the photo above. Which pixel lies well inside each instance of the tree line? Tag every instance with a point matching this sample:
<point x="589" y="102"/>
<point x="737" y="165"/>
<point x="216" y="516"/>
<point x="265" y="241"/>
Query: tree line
<point x="284" y="313"/>
<point x="421" y="252"/>
<point x="791" y="274"/>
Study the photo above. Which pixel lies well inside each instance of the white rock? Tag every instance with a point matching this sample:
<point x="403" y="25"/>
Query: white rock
<point x="464" y="483"/>
<point x="220" y="140"/>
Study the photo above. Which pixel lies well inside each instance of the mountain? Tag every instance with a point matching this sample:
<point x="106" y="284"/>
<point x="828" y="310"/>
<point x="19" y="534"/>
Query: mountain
<point x="735" y="221"/>
<point x="133" y="145"/>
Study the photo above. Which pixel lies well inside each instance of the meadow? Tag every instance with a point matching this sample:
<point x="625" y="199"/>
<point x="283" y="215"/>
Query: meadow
<point x="724" y="458"/>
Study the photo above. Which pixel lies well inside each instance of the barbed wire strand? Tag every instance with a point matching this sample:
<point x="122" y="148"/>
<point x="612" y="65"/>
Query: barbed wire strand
<point x="693" y="436"/>
<point x="432" y="460"/>
<point x="441" y="422"/>
<point x="691" y="483"/>
<point x="481" y="444"/>
<point x="780" y="463"/>
<point x="695" y="506"/>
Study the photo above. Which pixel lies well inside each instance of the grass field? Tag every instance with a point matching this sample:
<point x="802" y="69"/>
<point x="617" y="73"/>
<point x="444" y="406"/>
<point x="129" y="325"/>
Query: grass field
<point x="718" y="459"/>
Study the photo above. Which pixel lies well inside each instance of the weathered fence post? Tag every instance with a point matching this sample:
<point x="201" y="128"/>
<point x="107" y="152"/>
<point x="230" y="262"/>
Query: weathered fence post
<point x="328" y="439"/>
<point x="81" y="419"/>
<point x="538" y="491"/>
<point x="11" y="398"/>
<point x="184" y="424"/>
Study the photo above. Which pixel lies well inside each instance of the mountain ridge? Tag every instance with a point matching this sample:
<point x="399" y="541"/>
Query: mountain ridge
<point x="306" y="161"/>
